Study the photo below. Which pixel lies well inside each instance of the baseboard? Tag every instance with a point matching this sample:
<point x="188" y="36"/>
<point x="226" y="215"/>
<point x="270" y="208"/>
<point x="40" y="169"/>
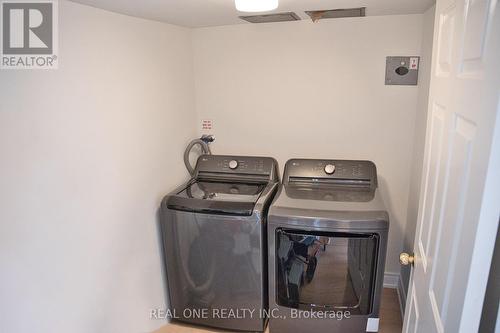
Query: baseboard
<point x="402" y="297"/>
<point x="391" y="280"/>
<point x="394" y="281"/>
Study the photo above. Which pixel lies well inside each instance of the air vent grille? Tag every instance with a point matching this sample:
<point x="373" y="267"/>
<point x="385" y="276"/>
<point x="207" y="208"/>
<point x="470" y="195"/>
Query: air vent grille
<point x="268" y="18"/>
<point x="336" y="13"/>
<point x="361" y="183"/>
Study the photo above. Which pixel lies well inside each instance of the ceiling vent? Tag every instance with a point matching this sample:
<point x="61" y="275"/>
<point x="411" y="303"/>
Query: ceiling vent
<point x="268" y="18"/>
<point x="336" y="13"/>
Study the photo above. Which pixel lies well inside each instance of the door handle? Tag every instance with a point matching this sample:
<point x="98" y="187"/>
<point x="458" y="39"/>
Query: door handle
<point x="406" y="259"/>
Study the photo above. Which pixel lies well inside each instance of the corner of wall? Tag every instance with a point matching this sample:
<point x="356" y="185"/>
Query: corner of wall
<point x="419" y="138"/>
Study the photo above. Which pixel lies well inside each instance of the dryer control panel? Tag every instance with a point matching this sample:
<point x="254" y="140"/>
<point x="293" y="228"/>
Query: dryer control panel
<point x="330" y="172"/>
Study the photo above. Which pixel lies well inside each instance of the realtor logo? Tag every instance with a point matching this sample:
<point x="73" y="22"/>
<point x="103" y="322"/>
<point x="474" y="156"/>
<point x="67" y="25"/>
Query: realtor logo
<point x="29" y="34"/>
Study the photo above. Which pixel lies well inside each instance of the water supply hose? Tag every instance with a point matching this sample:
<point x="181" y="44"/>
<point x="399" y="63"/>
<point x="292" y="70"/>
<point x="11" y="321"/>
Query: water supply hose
<point x="204" y="143"/>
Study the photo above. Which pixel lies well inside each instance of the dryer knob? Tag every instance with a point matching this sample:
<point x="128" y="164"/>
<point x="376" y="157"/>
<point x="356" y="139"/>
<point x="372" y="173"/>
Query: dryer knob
<point x="233" y="164"/>
<point x="329" y="168"/>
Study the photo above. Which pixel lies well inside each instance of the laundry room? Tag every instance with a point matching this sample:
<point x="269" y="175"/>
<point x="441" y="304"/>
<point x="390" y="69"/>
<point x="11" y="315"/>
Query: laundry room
<point x="249" y="166"/>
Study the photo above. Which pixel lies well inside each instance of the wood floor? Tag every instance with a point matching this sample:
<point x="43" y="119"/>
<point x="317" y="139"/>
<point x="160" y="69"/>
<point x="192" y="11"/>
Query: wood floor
<point x="390" y="318"/>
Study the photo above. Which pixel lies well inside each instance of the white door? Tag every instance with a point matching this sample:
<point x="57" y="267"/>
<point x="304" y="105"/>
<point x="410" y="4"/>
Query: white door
<point x="460" y="196"/>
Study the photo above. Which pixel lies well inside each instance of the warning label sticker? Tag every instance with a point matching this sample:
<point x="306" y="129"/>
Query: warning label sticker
<point x="414" y="63"/>
<point x="206" y="124"/>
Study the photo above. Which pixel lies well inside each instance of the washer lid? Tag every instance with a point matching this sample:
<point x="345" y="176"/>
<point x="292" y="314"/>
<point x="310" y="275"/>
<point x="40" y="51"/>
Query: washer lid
<point x="223" y="191"/>
<point x="217" y="197"/>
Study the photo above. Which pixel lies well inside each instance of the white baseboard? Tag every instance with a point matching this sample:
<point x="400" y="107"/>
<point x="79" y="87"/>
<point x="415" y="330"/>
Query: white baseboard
<point x="394" y="281"/>
<point x="391" y="280"/>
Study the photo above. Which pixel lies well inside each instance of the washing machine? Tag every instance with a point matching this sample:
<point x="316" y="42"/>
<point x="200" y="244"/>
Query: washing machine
<point x="214" y="239"/>
<point x="327" y="238"/>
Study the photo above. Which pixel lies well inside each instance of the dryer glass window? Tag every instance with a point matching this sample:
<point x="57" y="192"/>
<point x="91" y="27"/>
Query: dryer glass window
<point x="326" y="271"/>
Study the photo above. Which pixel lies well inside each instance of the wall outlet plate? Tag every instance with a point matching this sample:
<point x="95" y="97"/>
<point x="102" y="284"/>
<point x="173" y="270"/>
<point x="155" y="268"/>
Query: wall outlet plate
<point x="402" y="70"/>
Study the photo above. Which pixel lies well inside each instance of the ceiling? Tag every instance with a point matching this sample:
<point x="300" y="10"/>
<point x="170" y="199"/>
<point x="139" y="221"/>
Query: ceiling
<point x="205" y="13"/>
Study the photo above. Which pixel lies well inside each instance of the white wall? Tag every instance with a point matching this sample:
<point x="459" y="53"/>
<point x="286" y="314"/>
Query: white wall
<point x="419" y="138"/>
<point x="301" y="89"/>
<point x="87" y="152"/>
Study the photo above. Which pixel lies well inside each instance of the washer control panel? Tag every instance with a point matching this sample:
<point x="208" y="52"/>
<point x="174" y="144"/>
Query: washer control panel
<point x="223" y="164"/>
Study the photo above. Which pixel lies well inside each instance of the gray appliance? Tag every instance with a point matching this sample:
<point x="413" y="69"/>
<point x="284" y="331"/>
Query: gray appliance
<point x="214" y="238"/>
<point x="327" y="237"/>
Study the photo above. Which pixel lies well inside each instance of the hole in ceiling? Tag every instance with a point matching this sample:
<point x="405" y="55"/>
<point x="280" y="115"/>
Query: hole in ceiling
<point x="268" y="18"/>
<point x="316" y="15"/>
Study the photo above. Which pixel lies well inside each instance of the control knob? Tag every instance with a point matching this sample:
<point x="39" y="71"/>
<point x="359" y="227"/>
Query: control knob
<point x="329" y="168"/>
<point x="233" y="164"/>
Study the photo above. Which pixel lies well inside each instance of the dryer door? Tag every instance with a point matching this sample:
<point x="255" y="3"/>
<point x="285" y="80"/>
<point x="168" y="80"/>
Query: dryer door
<point x="326" y="270"/>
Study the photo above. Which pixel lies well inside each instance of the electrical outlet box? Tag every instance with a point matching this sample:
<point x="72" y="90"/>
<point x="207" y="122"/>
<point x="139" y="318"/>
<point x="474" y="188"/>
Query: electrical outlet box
<point x="402" y="70"/>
